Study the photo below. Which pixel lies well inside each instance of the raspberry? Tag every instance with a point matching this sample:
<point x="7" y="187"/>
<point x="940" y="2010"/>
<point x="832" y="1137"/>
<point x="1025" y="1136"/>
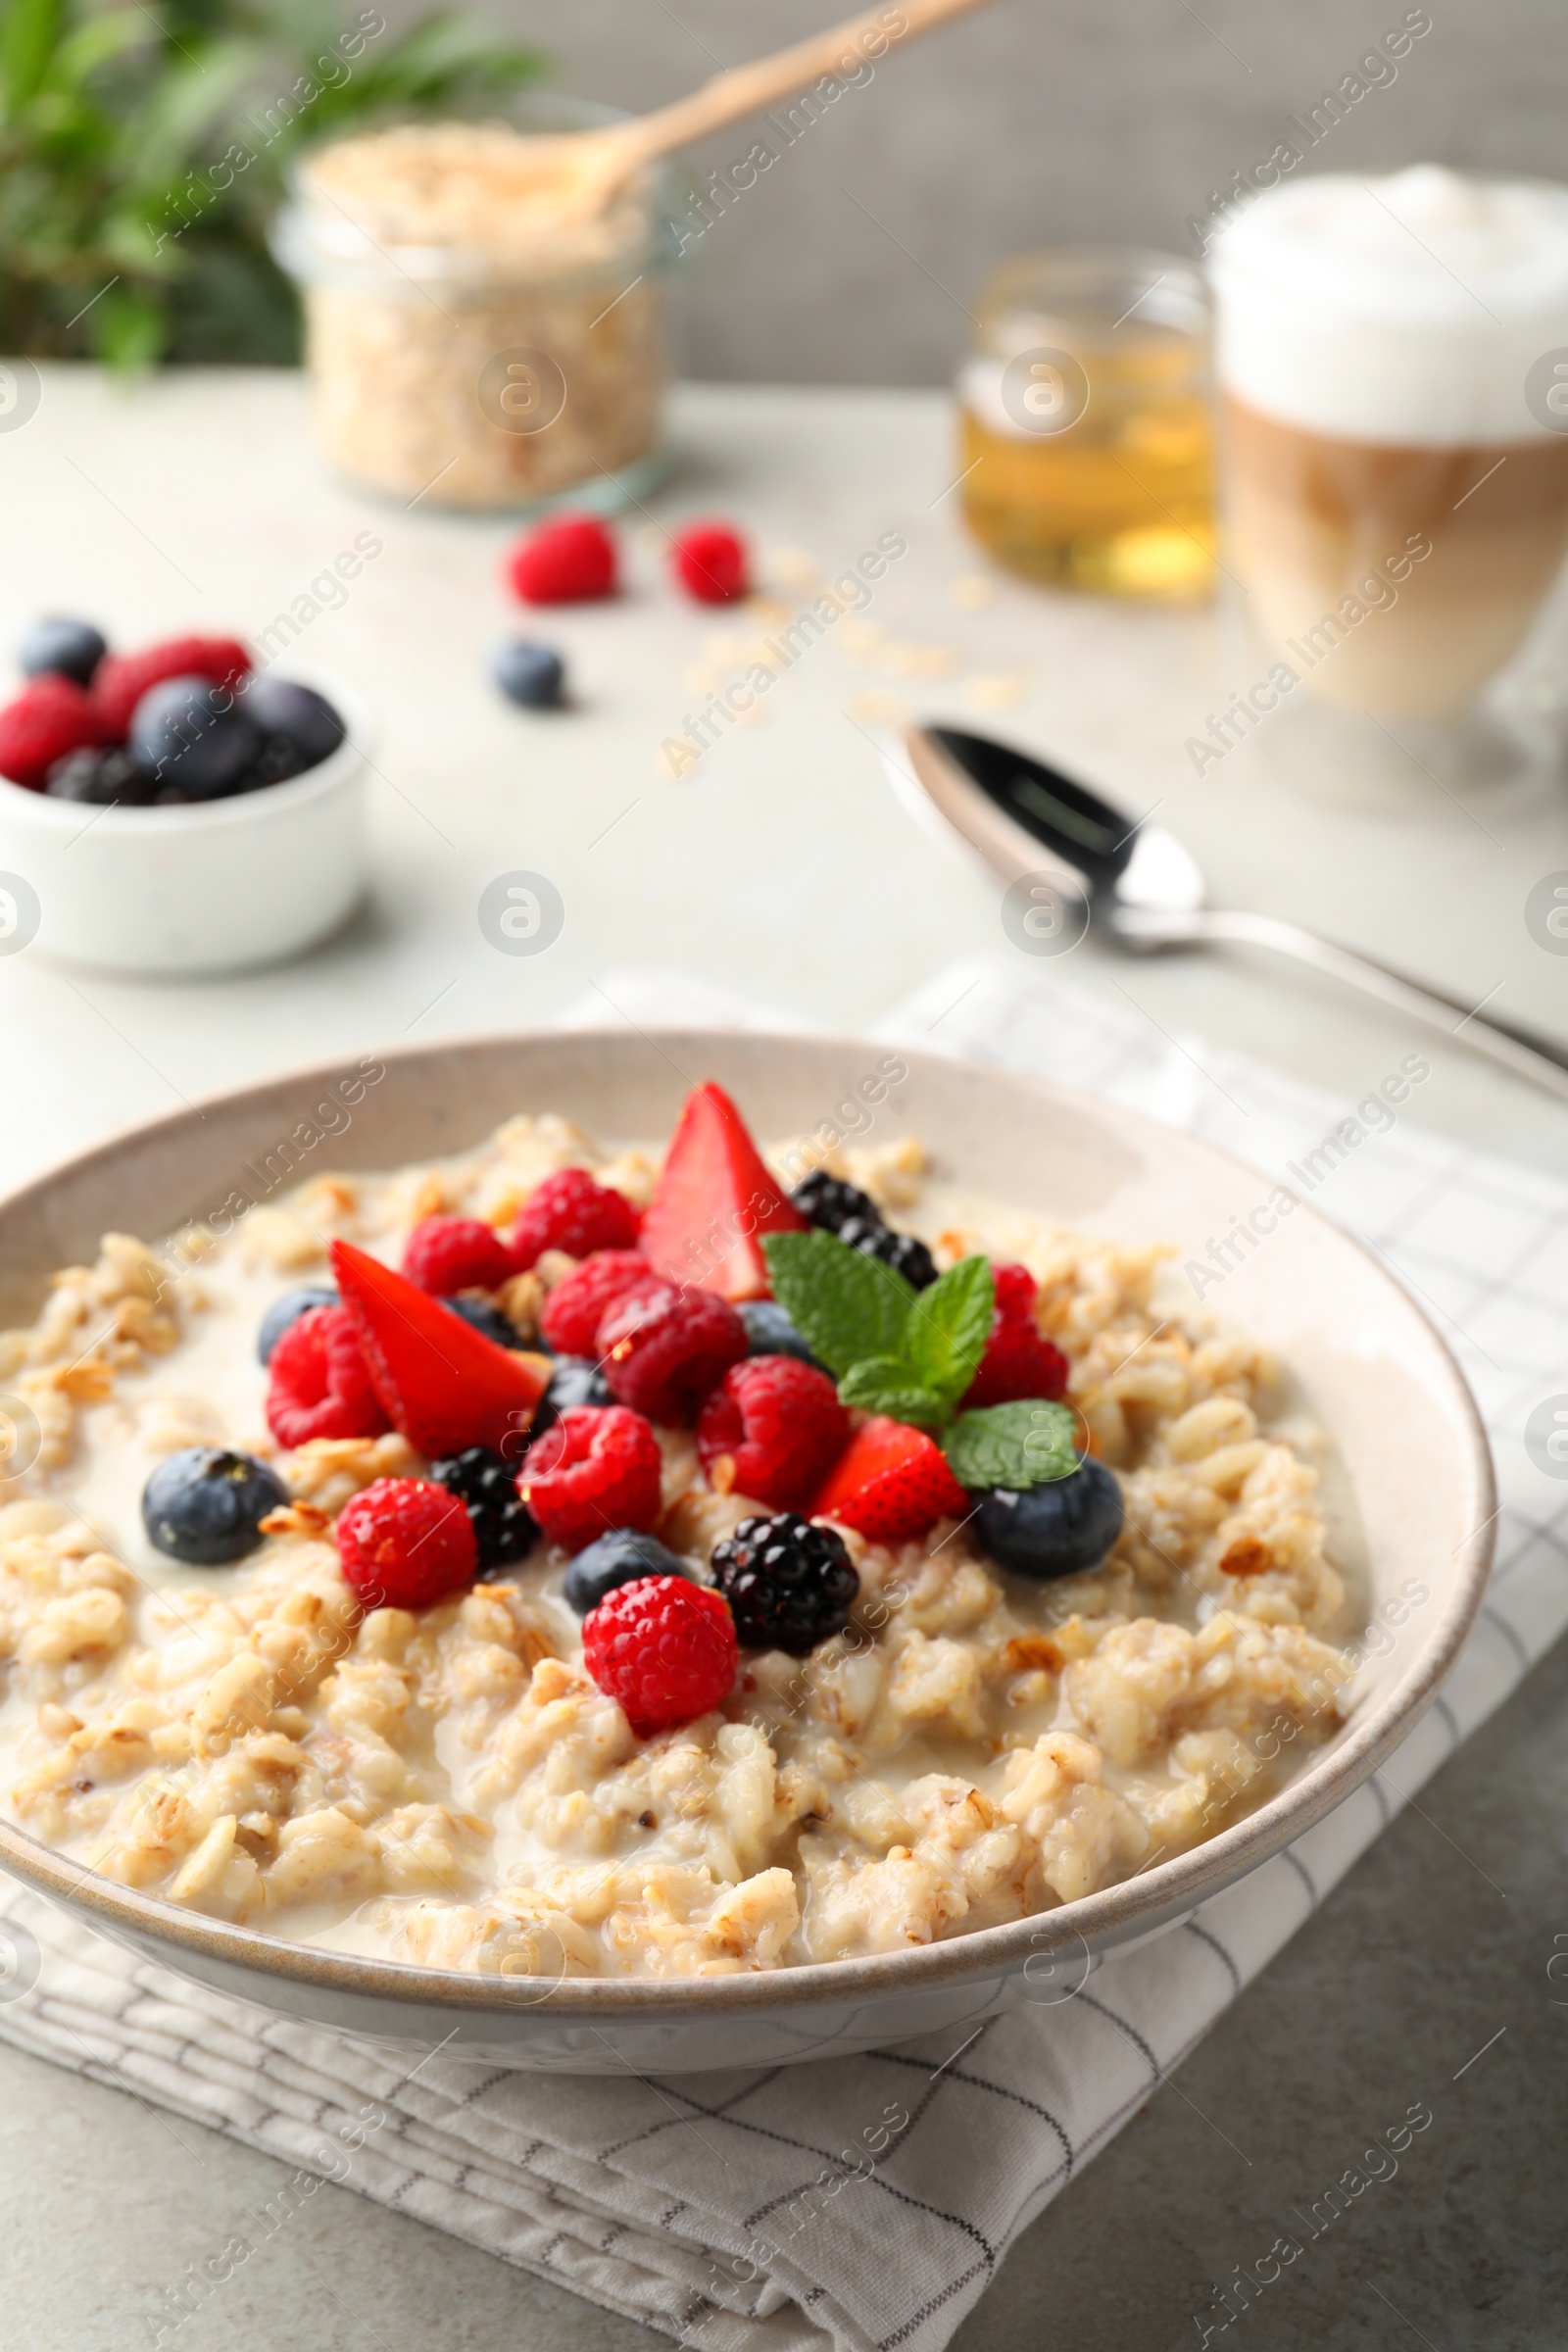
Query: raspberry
<point x="664" y="1647"/>
<point x="1017" y="1362"/>
<point x="711" y="563"/>
<point x="890" y="1483"/>
<point x="663" y="1350"/>
<point x="404" y="1543"/>
<point x="564" y="561"/>
<point x="789" y="1585"/>
<point x="321" y="1386"/>
<point x="578" y="1305"/>
<point x="778" y="1423"/>
<point x="593" y="1470"/>
<point x="124" y="679"/>
<point x="46" y="721"/>
<point x="444" y="1255"/>
<point x="569" y="1211"/>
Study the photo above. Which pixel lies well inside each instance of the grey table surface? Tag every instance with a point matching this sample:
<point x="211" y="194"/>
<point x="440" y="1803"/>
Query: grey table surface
<point x="782" y="868"/>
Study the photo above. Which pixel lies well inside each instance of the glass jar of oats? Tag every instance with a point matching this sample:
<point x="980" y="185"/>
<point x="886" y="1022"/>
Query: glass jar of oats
<point x="467" y="344"/>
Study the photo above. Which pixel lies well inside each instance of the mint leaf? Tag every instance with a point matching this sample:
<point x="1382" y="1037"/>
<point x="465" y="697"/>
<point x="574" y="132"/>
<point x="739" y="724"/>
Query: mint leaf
<point x="885" y="1384"/>
<point x="949" y="1326"/>
<point x="1024" y="1444"/>
<point x="843" y="1305"/>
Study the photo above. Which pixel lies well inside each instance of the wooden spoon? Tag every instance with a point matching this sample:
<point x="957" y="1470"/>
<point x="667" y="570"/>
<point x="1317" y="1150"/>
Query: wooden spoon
<point x="594" y="166"/>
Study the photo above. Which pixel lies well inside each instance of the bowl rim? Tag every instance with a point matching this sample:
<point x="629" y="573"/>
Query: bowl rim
<point x="1152" y="1897"/>
<point x="242" y="808"/>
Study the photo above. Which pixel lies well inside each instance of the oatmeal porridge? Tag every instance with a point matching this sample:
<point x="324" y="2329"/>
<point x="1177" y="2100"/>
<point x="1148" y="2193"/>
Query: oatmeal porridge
<point x="623" y="1565"/>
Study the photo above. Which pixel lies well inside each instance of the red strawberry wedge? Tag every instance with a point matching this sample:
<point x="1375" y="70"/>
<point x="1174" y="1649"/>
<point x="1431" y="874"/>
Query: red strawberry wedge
<point x="890" y="1483"/>
<point x="713" y="1203"/>
<point x="444" y="1384"/>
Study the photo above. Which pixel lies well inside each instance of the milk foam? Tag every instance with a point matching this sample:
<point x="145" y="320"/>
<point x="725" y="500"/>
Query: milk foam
<point x="1408" y="309"/>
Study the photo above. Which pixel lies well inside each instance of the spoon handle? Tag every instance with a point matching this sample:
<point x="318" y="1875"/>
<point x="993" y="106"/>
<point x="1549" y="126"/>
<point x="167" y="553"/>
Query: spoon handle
<point x="743" y="90"/>
<point x="1525" y="1051"/>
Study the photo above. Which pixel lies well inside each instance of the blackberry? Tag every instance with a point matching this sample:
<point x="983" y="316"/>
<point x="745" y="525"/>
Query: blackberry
<point x="827" y="1201"/>
<point x="101" y="778"/>
<point x="789" y="1584"/>
<point x="487" y="1485"/>
<point x="575" y="1381"/>
<point x="901" y="1251"/>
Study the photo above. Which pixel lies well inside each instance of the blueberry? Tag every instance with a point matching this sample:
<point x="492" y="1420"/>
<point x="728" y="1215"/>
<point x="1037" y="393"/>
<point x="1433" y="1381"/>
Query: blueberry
<point x="616" y="1560"/>
<point x="1053" y="1530"/>
<point x="530" y="674"/>
<point x="286" y="1311"/>
<point x="770" y="1330"/>
<point x="194" y="738"/>
<point x="105" y="779"/>
<point x="300" y="726"/>
<point x="205" y="1505"/>
<point x="482" y="1316"/>
<point x="575" y="1381"/>
<point x="69" y="648"/>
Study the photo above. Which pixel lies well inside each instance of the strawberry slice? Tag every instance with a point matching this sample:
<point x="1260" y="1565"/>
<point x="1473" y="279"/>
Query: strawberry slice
<point x="891" y="1482"/>
<point x="444" y="1384"/>
<point x="713" y="1203"/>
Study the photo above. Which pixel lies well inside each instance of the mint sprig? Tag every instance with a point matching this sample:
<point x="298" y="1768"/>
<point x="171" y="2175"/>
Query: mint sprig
<point x="1028" y="1443"/>
<point x="896" y="1349"/>
<point x="845" y="1306"/>
<point x="913" y="1353"/>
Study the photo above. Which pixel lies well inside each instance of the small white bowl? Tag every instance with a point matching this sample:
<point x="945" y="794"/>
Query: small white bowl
<point x="209" y="887"/>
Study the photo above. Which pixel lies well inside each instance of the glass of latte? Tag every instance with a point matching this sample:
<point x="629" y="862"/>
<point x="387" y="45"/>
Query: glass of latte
<point x="1391" y="357"/>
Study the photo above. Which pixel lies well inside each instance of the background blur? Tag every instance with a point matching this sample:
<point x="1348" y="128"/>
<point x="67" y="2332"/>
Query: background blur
<point x="1032" y="122"/>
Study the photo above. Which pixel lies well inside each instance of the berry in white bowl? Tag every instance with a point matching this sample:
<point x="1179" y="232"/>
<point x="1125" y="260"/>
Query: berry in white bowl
<point x="175" y="810"/>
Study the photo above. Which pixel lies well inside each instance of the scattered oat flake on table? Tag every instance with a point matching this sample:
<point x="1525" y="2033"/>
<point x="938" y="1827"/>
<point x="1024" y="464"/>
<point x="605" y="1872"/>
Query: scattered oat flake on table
<point x="793" y="565"/>
<point x="766" y="612"/>
<point x="1004" y="693"/>
<point x="922" y="660"/>
<point x="972" y="592"/>
<point x="877" y="709"/>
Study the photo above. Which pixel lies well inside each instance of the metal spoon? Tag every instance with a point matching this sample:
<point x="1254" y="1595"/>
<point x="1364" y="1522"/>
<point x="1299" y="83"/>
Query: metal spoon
<point x="1144" y="890"/>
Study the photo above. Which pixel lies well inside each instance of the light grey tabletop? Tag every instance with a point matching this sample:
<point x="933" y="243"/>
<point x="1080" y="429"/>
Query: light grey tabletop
<point x="783" y="870"/>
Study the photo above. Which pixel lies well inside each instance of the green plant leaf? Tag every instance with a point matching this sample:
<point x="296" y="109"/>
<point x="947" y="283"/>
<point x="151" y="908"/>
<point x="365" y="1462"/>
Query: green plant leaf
<point x="1028" y="1443"/>
<point x="843" y="1305"/>
<point x="949" y="1326"/>
<point x="30" y="32"/>
<point x="884" y="1384"/>
<point x="129" y="329"/>
<point x="136" y="146"/>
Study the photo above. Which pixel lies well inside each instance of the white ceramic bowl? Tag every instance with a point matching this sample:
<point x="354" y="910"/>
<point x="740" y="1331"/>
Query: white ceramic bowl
<point x="206" y="889"/>
<point x="1419" y="1504"/>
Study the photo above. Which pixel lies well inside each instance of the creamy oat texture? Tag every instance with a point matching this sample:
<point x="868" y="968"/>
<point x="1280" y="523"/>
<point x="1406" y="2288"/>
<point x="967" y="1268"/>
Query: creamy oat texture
<point x="433" y="253"/>
<point x="452" y="1788"/>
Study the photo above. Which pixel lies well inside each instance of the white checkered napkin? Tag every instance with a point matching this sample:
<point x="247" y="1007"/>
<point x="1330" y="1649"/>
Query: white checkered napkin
<point x="868" y="2203"/>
